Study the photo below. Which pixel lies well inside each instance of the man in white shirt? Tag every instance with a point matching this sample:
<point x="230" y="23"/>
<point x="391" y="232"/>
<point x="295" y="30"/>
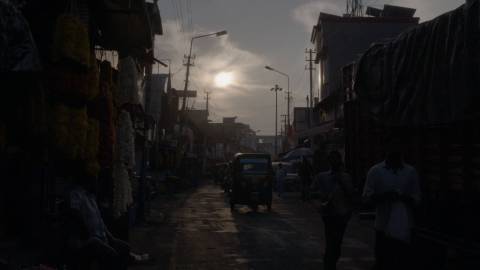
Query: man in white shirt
<point x="393" y="187"/>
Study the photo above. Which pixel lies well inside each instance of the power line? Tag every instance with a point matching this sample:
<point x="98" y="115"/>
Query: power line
<point x="181" y="15"/>
<point x="190" y="14"/>
<point x="180" y="19"/>
<point x="177" y="15"/>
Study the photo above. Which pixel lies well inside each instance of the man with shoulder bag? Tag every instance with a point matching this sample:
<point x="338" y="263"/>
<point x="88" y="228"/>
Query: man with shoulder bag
<point x="336" y="192"/>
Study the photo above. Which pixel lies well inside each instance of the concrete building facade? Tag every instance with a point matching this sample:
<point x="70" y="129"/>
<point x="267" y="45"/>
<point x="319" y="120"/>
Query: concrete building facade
<point x="339" y="41"/>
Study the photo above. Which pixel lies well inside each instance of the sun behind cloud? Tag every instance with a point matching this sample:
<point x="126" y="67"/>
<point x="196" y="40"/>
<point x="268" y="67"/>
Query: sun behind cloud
<point x="223" y="79"/>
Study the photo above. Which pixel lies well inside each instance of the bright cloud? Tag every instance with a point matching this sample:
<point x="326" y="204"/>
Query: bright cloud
<point x="215" y="55"/>
<point x="307" y="14"/>
<point x="223" y="79"/>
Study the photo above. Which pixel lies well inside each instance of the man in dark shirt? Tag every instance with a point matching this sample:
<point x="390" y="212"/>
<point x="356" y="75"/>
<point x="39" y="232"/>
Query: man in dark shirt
<point x="336" y="191"/>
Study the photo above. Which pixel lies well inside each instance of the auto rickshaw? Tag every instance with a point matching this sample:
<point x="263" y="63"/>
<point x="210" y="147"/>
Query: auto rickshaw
<point x="252" y="180"/>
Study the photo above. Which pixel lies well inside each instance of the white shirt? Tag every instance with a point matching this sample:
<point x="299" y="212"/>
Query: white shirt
<point x="393" y="218"/>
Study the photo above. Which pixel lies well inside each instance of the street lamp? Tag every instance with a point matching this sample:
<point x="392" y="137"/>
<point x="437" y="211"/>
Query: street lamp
<point x="288" y="90"/>
<point x="189" y="57"/>
<point x="276" y="89"/>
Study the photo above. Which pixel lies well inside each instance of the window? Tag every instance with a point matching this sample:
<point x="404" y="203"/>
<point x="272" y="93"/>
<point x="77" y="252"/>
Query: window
<point x="254" y="165"/>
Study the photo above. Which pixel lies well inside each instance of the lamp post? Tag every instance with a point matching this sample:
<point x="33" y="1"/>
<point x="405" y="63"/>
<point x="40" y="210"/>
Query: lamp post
<point x="288" y="91"/>
<point x="188" y="64"/>
<point x="276" y="89"/>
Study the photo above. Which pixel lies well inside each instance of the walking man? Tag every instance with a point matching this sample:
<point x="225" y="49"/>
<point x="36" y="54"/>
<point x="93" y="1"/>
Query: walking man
<point x="305" y="173"/>
<point x="336" y="192"/>
<point x="280" y="175"/>
<point x="393" y="187"/>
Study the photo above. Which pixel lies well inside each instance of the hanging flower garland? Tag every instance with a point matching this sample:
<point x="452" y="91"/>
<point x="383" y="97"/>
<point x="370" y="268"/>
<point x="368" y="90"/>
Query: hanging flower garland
<point x="127" y="90"/>
<point x="124" y="161"/>
<point x="122" y="190"/>
<point x="69" y="129"/>
<point x="71" y="41"/>
<point x="125" y="143"/>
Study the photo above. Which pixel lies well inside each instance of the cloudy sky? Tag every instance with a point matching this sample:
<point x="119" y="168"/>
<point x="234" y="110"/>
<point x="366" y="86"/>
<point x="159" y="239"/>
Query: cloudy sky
<point x="261" y="32"/>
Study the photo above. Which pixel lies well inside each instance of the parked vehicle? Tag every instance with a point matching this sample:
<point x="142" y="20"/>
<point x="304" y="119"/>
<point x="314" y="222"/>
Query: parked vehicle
<point x="292" y="179"/>
<point x="252" y="180"/>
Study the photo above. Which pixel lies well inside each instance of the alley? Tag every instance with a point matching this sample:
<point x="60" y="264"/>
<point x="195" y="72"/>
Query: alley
<point x="201" y="232"/>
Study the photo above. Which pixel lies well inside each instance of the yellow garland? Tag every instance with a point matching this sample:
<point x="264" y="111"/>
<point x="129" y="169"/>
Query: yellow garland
<point x="78" y="130"/>
<point x="76" y="137"/>
<point x="71" y="40"/>
<point x="90" y="154"/>
<point x="74" y="84"/>
<point x="69" y="130"/>
<point x="93" y="79"/>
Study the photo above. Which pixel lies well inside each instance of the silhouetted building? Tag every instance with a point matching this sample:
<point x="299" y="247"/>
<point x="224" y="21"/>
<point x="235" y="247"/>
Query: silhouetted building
<point x="340" y="41"/>
<point x="300" y="119"/>
<point x="266" y="144"/>
<point x="228" y="138"/>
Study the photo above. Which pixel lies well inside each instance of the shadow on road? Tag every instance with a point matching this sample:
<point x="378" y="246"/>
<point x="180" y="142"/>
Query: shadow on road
<point x="269" y="240"/>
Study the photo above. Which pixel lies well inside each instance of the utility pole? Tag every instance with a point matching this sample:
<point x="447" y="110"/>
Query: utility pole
<point x="188" y="64"/>
<point x="285" y="131"/>
<point x="208" y="99"/>
<point x="289" y="99"/>
<point x="276" y="89"/>
<point x="288" y="87"/>
<point x="310" y="68"/>
<point x="205" y="140"/>
<point x="284" y="127"/>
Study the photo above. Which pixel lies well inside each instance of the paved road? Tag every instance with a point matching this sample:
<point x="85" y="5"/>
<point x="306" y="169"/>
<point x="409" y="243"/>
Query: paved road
<point x="200" y="232"/>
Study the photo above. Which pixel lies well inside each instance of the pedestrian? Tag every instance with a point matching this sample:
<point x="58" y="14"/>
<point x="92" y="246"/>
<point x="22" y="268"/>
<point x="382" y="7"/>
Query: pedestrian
<point x="305" y="173"/>
<point x="393" y="187"/>
<point x="88" y="238"/>
<point x="280" y="176"/>
<point x="336" y="192"/>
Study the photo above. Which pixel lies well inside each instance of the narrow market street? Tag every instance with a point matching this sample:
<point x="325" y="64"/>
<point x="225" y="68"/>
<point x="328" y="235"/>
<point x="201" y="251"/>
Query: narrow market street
<point x="199" y="231"/>
<point x="223" y="134"/>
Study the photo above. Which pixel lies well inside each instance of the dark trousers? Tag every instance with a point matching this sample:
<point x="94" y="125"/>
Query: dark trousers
<point x="335" y="227"/>
<point x="306" y="182"/>
<point x="113" y="255"/>
<point x="391" y="254"/>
